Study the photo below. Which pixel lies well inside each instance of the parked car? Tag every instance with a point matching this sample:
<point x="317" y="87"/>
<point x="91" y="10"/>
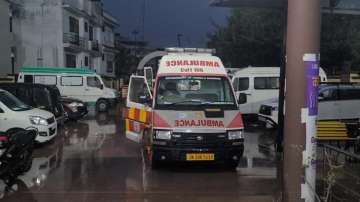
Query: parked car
<point x="38" y="96"/>
<point x="16" y="150"/>
<point x="337" y="101"/>
<point x="81" y="84"/>
<point x="15" y="116"/>
<point x="74" y="108"/>
<point x="259" y="85"/>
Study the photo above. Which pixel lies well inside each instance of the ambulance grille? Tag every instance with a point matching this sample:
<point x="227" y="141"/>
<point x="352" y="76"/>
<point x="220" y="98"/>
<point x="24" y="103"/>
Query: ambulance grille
<point x="199" y="139"/>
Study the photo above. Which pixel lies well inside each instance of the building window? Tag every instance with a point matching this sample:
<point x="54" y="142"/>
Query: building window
<point x="70" y="61"/>
<point x="86" y="61"/>
<point x="71" y="81"/>
<point x="74" y="25"/>
<point x="109" y="67"/>
<point x="266" y="83"/>
<point x="91" y="33"/>
<point x="86" y="27"/>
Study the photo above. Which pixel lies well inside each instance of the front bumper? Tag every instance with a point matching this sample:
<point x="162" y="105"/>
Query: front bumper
<point x="78" y="113"/>
<point x="221" y="154"/>
<point x="267" y="120"/>
<point x="46" y="133"/>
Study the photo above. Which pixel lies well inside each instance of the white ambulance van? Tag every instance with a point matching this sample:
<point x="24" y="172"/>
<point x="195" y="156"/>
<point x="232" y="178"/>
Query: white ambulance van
<point x="259" y="85"/>
<point x="190" y="115"/>
<point x="81" y="84"/>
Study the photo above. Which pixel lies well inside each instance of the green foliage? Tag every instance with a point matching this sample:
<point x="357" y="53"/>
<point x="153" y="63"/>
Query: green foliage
<point x="251" y="37"/>
<point x="255" y="37"/>
<point x="340" y="40"/>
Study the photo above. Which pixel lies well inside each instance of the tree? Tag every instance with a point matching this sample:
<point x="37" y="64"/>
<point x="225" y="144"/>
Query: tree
<point x="255" y="37"/>
<point x="340" y="41"/>
<point x="251" y="37"/>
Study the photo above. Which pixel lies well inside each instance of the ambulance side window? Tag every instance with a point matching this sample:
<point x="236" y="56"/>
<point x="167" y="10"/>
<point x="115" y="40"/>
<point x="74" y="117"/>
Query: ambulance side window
<point x="138" y="89"/>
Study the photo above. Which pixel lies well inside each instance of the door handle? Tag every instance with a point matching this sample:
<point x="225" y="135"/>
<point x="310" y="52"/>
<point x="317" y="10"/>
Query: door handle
<point x="87" y="89"/>
<point x="248" y="93"/>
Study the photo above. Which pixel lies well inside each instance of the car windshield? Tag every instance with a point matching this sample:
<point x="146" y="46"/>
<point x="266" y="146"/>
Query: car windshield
<point x="194" y="91"/>
<point x="12" y="102"/>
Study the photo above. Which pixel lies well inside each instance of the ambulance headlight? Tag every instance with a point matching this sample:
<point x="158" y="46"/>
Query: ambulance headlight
<point x="235" y="135"/>
<point x="163" y="134"/>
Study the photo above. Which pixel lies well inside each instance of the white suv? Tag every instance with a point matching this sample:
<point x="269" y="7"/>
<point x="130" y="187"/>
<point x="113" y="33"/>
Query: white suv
<point x="15" y="115"/>
<point x="336" y="102"/>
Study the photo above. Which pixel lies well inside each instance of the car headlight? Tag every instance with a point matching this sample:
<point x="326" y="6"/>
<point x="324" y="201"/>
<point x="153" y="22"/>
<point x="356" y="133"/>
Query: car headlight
<point x="36" y="120"/>
<point x="76" y="104"/>
<point x="163" y="134"/>
<point x="235" y="135"/>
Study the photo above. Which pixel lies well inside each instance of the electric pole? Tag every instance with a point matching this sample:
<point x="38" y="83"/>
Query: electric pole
<point x="179" y="39"/>
<point x="303" y="37"/>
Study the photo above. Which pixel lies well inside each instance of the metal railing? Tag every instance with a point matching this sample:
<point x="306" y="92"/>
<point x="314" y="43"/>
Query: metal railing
<point x="338" y="172"/>
<point x="74" y="39"/>
<point x="95" y="46"/>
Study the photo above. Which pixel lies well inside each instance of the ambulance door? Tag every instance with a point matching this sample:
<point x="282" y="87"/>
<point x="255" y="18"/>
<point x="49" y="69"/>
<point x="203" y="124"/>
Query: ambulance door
<point x="138" y="104"/>
<point x="149" y="76"/>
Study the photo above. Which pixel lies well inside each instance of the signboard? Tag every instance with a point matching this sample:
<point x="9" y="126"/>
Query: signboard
<point x="312" y="81"/>
<point x="191" y="65"/>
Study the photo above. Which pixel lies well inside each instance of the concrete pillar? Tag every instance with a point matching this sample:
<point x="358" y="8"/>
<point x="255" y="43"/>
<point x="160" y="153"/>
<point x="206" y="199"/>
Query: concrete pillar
<point x="303" y="36"/>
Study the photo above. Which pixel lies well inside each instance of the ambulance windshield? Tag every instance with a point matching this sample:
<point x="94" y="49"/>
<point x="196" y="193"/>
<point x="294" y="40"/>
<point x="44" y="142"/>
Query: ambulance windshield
<point x="190" y="90"/>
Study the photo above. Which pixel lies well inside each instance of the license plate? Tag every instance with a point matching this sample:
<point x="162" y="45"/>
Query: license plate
<point x="200" y="157"/>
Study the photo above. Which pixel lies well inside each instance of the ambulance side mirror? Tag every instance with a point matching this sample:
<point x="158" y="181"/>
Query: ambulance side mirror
<point x="242" y="99"/>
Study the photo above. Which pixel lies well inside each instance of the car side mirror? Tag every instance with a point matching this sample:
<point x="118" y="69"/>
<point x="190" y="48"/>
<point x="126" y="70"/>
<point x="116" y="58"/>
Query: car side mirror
<point x="1" y="111"/>
<point x="242" y="99"/>
<point x="101" y="86"/>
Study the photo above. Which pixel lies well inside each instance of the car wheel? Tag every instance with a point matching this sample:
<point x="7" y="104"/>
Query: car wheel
<point x="102" y="106"/>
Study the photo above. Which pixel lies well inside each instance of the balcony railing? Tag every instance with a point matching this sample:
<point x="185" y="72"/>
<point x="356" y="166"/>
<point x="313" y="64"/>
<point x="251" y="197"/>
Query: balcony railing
<point x="95" y="46"/>
<point x="74" y="39"/>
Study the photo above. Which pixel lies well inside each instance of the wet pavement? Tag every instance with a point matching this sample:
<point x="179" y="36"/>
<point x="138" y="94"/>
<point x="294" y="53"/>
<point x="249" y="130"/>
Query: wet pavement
<point x="91" y="160"/>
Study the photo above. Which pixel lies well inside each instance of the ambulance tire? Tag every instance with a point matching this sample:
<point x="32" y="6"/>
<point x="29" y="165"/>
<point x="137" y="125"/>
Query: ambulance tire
<point x="232" y="165"/>
<point x="147" y="151"/>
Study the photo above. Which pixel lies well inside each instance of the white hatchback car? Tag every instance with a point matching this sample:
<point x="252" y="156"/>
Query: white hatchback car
<point x="15" y="115"/>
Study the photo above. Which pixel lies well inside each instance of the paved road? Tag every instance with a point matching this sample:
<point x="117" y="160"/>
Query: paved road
<point x="91" y="160"/>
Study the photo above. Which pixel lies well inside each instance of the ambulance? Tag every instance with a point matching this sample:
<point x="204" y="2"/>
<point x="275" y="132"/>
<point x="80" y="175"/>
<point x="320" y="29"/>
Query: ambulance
<point x="190" y="115"/>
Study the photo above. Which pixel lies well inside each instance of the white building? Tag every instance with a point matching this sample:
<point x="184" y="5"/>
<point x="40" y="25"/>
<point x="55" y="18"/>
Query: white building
<point x="5" y="36"/>
<point x="64" y="33"/>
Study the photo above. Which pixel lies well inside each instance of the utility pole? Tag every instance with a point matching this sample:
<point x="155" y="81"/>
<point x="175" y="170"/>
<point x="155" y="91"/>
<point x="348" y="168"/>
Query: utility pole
<point x="135" y="33"/>
<point x="179" y="39"/>
<point x="303" y="37"/>
<point x="143" y="19"/>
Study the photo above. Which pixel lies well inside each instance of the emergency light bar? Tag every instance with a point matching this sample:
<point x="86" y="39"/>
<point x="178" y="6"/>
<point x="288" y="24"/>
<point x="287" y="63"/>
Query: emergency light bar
<point x="190" y="50"/>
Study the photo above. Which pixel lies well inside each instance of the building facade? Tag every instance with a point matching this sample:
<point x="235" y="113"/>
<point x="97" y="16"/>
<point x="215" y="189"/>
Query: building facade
<point x="6" y="40"/>
<point x="63" y="33"/>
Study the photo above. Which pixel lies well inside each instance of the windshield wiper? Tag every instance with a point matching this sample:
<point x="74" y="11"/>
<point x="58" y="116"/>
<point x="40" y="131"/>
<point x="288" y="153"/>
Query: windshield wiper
<point x="185" y="101"/>
<point x="216" y="103"/>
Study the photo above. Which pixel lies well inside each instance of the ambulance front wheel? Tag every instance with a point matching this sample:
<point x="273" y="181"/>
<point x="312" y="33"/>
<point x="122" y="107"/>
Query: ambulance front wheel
<point x="149" y="155"/>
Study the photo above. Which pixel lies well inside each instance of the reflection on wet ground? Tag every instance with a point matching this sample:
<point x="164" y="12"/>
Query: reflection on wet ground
<point x="91" y="160"/>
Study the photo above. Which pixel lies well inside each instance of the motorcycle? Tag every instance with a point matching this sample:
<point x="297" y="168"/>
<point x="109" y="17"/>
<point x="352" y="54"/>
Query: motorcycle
<point x="16" y="150"/>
